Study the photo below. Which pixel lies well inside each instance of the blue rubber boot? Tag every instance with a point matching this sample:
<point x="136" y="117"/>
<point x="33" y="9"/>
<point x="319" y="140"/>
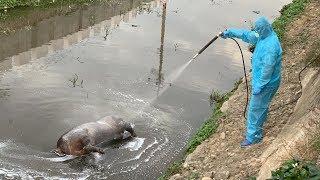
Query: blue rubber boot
<point x="246" y="143"/>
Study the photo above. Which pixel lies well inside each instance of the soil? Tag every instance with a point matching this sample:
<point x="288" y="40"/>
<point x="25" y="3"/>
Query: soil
<point x="220" y="156"/>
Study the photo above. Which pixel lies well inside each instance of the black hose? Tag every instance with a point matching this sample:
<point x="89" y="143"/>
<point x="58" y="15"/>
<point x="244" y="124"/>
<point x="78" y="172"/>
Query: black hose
<point x="209" y="43"/>
<point x="245" y="76"/>
<point x="243" y="63"/>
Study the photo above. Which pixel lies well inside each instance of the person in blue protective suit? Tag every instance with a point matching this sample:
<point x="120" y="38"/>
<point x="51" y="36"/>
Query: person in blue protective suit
<point x="266" y="74"/>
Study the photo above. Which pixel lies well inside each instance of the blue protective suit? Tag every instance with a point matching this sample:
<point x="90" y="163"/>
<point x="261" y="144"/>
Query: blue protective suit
<point x="266" y="73"/>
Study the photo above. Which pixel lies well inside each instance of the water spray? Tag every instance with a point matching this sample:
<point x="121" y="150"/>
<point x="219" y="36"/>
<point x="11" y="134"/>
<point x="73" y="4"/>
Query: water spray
<point x="243" y="63"/>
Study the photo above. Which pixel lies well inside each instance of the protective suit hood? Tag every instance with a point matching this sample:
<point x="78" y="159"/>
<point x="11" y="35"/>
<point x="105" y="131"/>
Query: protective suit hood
<point x="263" y="27"/>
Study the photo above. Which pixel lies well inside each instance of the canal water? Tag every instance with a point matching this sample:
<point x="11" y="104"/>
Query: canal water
<point x="70" y="65"/>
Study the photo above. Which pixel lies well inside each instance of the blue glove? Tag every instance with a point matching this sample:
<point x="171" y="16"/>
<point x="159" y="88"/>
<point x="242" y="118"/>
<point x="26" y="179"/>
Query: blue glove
<point x="256" y="91"/>
<point x="225" y="34"/>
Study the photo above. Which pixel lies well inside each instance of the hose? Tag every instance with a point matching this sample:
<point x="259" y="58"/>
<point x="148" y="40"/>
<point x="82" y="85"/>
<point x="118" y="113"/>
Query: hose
<point x="245" y="76"/>
<point x="243" y="63"/>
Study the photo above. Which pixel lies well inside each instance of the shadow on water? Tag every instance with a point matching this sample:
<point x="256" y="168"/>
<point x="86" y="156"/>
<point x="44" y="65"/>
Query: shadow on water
<point x="158" y="75"/>
<point x="48" y="32"/>
<point x="4" y="93"/>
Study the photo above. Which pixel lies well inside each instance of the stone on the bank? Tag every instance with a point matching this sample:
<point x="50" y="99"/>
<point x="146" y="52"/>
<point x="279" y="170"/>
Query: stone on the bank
<point x="225" y="106"/>
<point x="226" y="174"/>
<point x="209" y="174"/>
<point x="185" y="165"/>
<point x="223" y="135"/>
<point x="176" y="177"/>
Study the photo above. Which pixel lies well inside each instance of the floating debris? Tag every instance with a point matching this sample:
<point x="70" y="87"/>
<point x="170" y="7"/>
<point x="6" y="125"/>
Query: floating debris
<point x="107" y="33"/>
<point x="176" y="11"/>
<point x="257" y="12"/>
<point x="175" y="45"/>
<point x="81" y="83"/>
<point x="78" y="59"/>
<point x="74" y="81"/>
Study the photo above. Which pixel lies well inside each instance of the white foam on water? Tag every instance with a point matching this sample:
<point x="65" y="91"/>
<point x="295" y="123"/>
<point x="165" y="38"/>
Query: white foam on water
<point x="7" y="144"/>
<point x="134" y="145"/>
<point x="97" y="156"/>
<point x="21" y="172"/>
<point x="130" y="168"/>
<point x="157" y="149"/>
<point x="135" y="166"/>
<point x="3" y="145"/>
<point x="60" y="159"/>
<point x="10" y="173"/>
<point x="18" y="152"/>
<point x="137" y="157"/>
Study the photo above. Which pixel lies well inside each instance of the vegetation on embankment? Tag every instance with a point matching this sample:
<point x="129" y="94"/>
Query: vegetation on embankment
<point x="210" y="126"/>
<point x="206" y="130"/>
<point x="296" y="169"/>
<point x="7" y="4"/>
<point x="288" y="14"/>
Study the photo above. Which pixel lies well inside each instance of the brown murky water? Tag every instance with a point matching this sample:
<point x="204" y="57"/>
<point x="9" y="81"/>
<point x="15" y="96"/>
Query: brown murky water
<point x="100" y="60"/>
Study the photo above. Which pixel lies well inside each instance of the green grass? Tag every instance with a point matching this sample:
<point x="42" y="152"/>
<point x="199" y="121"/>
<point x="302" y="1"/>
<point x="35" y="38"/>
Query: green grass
<point x="7" y="4"/>
<point x="173" y="169"/>
<point x="194" y="176"/>
<point x="300" y="169"/>
<point x="288" y="14"/>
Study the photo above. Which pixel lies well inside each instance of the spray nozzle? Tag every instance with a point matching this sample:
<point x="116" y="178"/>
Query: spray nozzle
<point x="195" y="56"/>
<point x="207" y="45"/>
